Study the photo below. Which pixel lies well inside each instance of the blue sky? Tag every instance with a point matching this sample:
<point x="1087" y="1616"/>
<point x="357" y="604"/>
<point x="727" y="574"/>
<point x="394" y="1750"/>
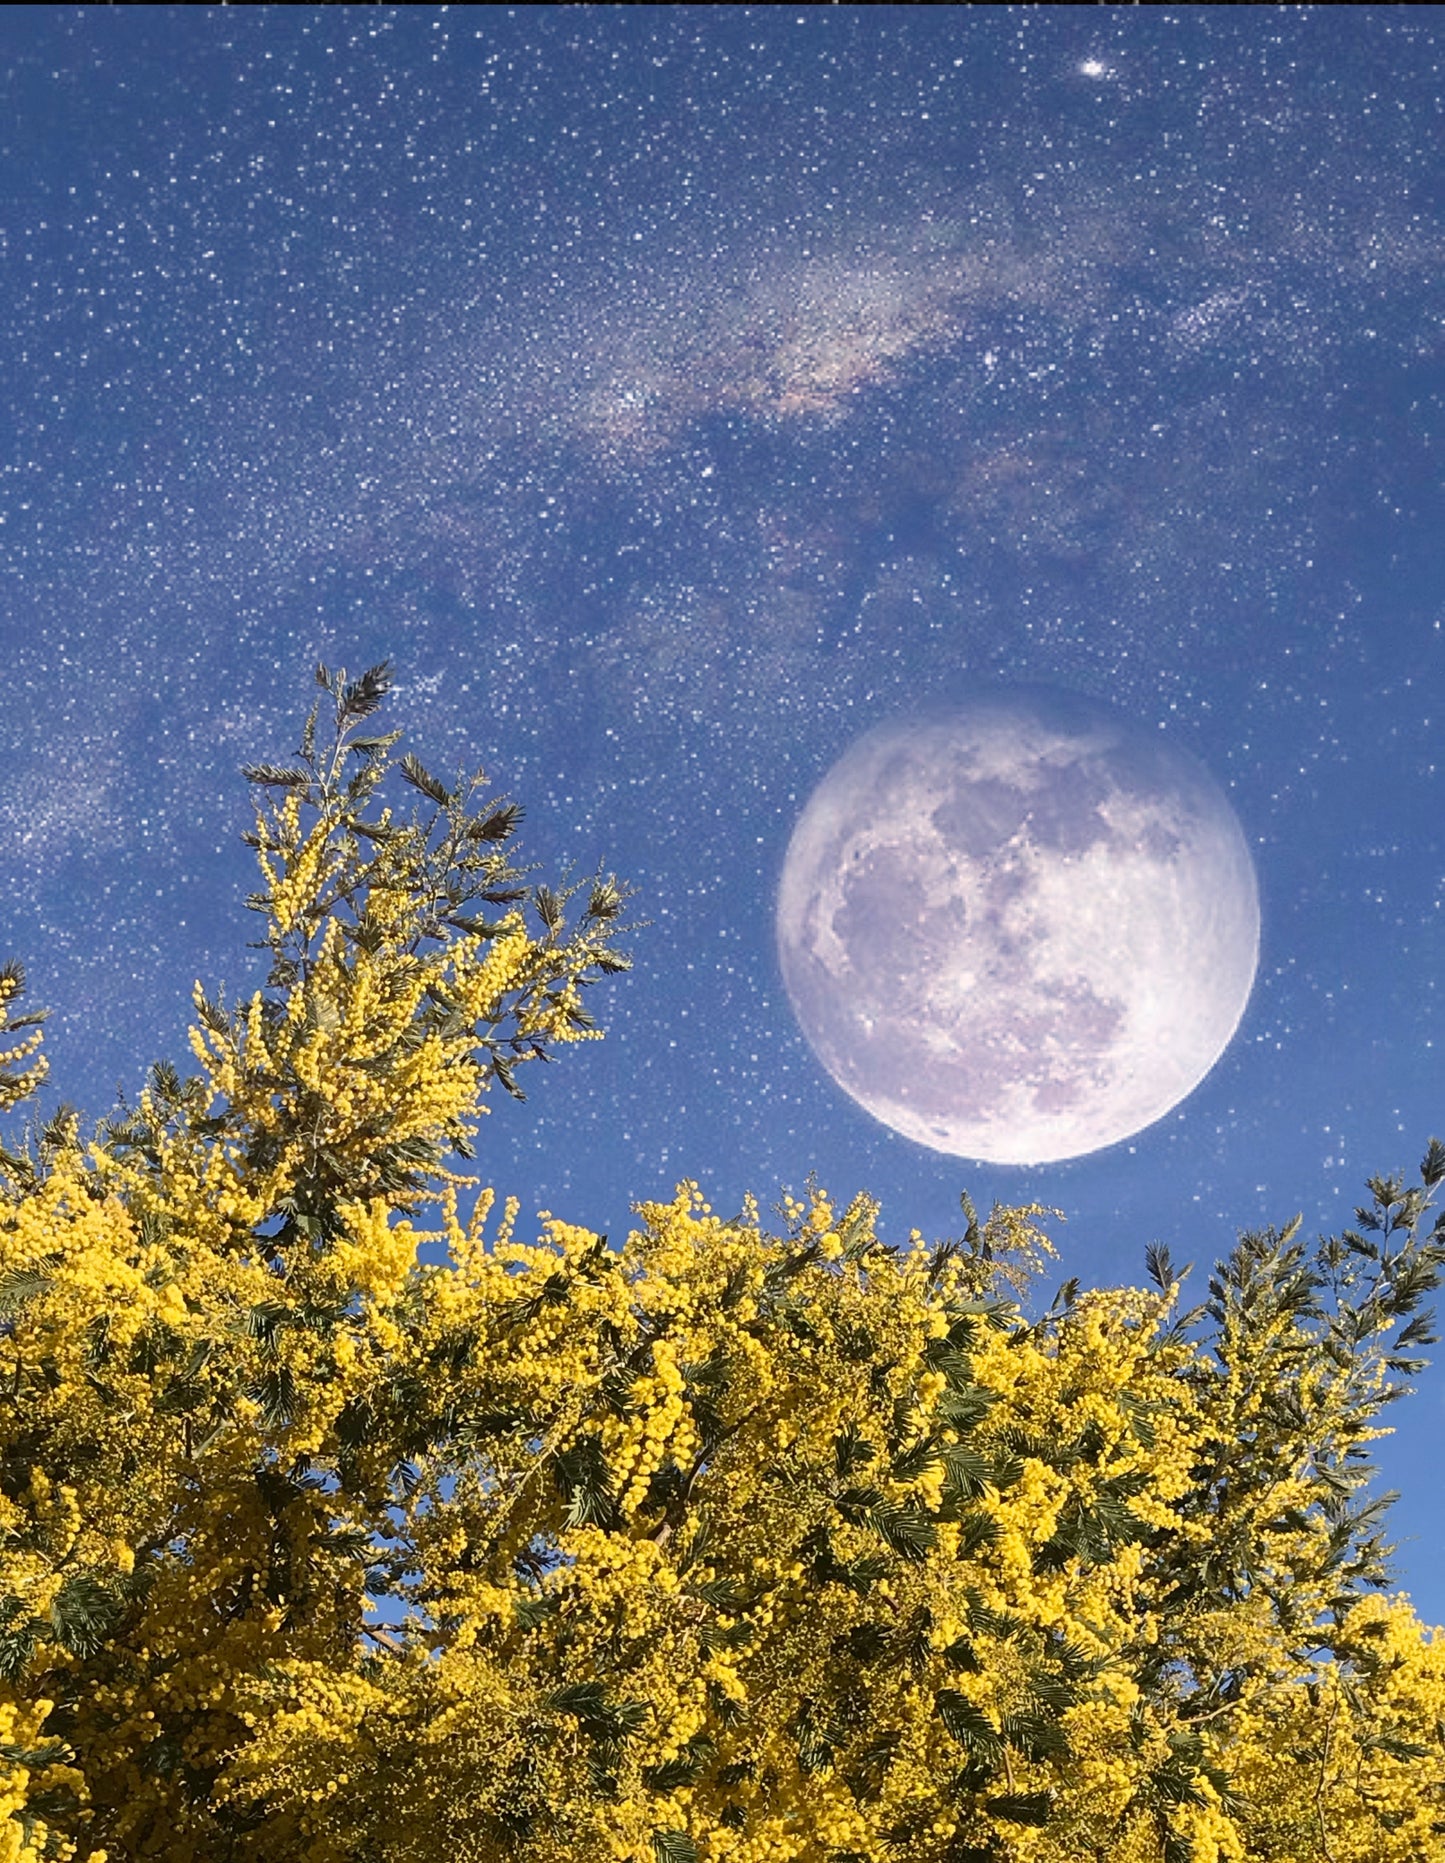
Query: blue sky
<point x="674" y="394"/>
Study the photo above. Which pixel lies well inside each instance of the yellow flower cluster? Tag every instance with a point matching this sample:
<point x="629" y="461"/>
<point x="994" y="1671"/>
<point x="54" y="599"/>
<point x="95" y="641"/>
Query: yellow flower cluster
<point x="22" y="1066"/>
<point x="803" y="1524"/>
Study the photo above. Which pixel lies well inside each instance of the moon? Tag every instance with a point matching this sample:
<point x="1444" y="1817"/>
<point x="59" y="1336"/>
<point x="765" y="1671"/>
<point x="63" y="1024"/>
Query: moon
<point x="1020" y="929"/>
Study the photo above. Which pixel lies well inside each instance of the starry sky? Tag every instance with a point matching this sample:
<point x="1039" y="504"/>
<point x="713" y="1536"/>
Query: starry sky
<point x="674" y="394"/>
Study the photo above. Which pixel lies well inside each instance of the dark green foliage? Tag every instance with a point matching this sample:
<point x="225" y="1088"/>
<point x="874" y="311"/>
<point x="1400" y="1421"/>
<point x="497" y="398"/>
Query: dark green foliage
<point x="580" y="1473"/>
<point x="1090" y="1531"/>
<point x="1036" y="1734"/>
<point x="969" y="1726"/>
<point x="419" y="777"/>
<point x="912" y="1641"/>
<point x="19" y="1286"/>
<point x="685" y="1769"/>
<point x="673" y="1847"/>
<point x="819" y="1732"/>
<point x="588" y="1704"/>
<point x="851" y="1451"/>
<point x="976" y="1529"/>
<point x="817" y="1554"/>
<point x="1033" y="1808"/>
<point x="864" y="1643"/>
<point x="83" y="1614"/>
<point x="907" y="1531"/>
<point x="19" y="1633"/>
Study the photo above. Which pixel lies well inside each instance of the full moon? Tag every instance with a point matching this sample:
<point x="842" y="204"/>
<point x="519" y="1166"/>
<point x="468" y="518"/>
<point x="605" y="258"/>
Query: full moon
<point x="1018" y="930"/>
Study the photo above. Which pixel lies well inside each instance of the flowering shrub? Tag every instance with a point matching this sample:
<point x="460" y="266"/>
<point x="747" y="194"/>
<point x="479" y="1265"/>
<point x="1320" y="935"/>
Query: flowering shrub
<point x="747" y="1541"/>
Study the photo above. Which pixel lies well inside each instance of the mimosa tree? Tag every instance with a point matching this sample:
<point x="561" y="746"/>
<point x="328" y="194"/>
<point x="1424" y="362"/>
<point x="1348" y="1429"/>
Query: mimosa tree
<point x="339" y="1522"/>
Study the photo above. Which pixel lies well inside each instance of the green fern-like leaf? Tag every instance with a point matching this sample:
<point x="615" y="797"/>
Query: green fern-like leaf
<point x="363" y="696"/>
<point x="498" y="824"/>
<point x="907" y="1531"/>
<point x="277" y="1395"/>
<point x="83" y="1614"/>
<point x="1037" y="1736"/>
<point x="417" y="774"/>
<point x="19" y="1286"/>
<point x="673" y="1847"/>
<point x="582" y="1477"/>
<point x="968" y="1724"/>
<point x="277" y="776"/>
<point x="1034" y="1808"/>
